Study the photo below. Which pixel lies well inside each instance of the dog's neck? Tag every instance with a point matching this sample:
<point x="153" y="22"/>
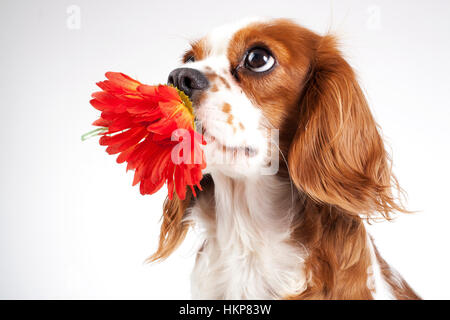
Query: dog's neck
<point x="256" y="205"/>
<point x="248" y="250"/>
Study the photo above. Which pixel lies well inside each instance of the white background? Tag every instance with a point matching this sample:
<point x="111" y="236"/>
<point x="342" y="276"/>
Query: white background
<point x="71" y="225"/>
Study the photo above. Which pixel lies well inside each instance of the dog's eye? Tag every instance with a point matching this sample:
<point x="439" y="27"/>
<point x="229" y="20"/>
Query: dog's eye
<point x="259" y="60"/>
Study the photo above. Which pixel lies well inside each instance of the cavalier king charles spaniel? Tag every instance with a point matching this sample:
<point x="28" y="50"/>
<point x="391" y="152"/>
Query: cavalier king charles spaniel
<point x="296" y="166"/>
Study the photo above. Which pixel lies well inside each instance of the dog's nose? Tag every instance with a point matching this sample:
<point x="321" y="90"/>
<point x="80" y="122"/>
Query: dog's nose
<point x="188" y="80"/>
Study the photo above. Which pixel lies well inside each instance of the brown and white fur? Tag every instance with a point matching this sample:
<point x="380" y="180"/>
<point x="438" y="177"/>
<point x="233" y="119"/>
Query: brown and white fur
<point x="299" y="233"/>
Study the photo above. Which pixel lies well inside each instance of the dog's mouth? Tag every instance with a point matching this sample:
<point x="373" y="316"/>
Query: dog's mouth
<point x="247" y="151"/>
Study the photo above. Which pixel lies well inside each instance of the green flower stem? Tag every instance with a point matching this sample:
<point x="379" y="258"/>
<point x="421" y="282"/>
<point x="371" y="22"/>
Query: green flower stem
<point x="93" y="133"/>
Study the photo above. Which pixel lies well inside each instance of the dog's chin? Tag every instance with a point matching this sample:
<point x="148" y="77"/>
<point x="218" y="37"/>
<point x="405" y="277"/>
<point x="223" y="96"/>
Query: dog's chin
<point x="236" y="161"/>
<point x="230" y="150"/>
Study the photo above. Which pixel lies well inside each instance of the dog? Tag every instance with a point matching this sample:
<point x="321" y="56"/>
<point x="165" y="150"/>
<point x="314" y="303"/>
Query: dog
<point x="297" y="232"/>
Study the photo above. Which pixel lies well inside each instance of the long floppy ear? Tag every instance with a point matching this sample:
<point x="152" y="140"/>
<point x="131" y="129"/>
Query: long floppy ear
<point x="175" y="221"/>
<point x="337" y="156"/>
<point x="173" y="227"/>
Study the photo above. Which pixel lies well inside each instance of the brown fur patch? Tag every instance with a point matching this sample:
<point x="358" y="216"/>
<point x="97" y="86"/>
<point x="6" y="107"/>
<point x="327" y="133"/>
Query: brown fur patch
<point x="198" y="98"/>
<point x="226" y="107"/>
<point x="225" y="82"/>
<point x="230" y="119"/>
<point x="212" y="76"/>
<point x="338" y="256"/>
<point x="174" y="226"/>
<point x="214" y="88"/>
<point x="199" y="50"/>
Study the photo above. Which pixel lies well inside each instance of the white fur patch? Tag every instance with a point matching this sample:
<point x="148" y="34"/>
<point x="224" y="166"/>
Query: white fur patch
<point x="247" y="252"/>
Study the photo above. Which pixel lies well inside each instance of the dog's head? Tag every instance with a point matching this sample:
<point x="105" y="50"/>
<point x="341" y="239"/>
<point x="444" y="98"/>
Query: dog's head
<point x="246" y="80"/>
<point x="250" y="78"/>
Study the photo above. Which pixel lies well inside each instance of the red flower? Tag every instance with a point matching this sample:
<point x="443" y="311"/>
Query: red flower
<point x="140" y="123"/>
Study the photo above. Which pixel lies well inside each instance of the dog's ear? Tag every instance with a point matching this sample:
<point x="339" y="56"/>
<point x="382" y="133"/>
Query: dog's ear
<point x="337" y="156"/>
<point x="174" y="226"/>
<point x="175" y="219"/>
